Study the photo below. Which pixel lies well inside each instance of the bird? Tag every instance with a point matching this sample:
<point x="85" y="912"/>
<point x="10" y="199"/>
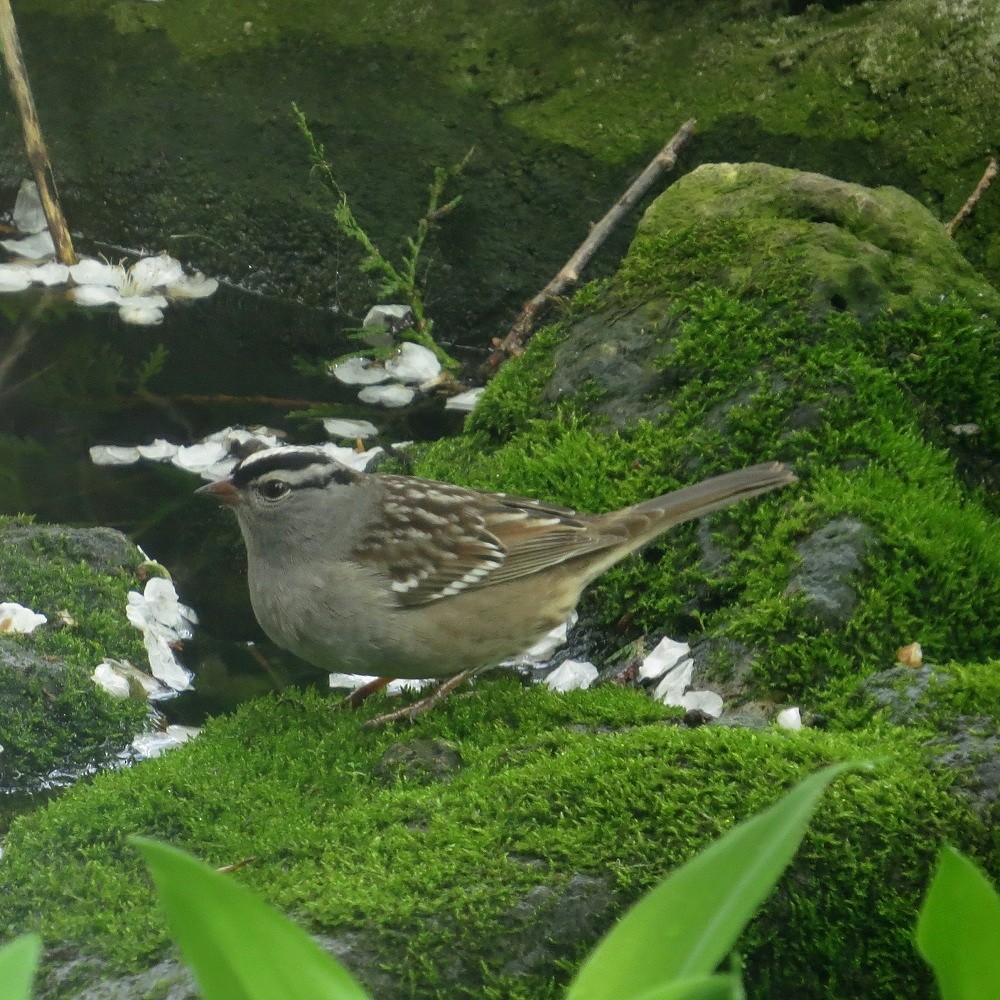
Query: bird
<point x="402" y="577"/>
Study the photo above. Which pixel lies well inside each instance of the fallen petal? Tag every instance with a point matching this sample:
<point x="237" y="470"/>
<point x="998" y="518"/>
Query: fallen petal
<point x="391" y="395"/>
<point x="358" y="460"/>
<point x="95" y="295"/>
<point x="140" y="315"/>
<point x="197" y="286"/>
<point x="572" y="675"/>
<point x="790" y="718"/>
<point x="667" y="654"/>
<point x="155" y="272"/>
<point x="344" y="428"/>
<point x="52" y="273"/>
<point x="97" y="272"/>
<point x="196" y="457"/>
<point x="29" y="216"/>
<point x="14" y="278"/>
<point x="466" y="401"/>
<point x="413" y="363"/>
<point x="359" y="371"/>
<point x="105" y="676"/>
<point x="16" y="619"/>
<point x="676" y="681"/>
<point x="113" y="454"/>
<point x="160" y="450"/>
<point x="36" y="247"/>
<point x="702" y="701"/>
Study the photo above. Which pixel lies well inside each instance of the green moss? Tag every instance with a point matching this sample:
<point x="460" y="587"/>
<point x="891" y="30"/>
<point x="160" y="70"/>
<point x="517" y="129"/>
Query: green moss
<point x="592" y="782"/>
<point x="53" y="715"/>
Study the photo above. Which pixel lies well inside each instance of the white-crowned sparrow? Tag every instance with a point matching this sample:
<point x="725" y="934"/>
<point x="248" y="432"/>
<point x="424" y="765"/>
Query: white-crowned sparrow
<point x="404" y="577"/>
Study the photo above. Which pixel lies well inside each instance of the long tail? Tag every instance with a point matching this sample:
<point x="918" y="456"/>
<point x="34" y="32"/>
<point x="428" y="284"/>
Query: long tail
<point x="643" y="522"/>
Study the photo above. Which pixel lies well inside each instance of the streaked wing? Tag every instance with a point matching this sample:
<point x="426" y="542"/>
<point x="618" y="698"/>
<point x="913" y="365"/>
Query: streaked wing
<point x="441" y="540"/>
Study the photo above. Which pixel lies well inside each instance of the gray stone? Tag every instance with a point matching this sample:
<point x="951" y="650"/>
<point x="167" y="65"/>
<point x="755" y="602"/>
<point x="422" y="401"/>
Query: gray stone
<point x="831" y="557"/>
<point x="103" y="549"/>
<point x="420" y="760"/>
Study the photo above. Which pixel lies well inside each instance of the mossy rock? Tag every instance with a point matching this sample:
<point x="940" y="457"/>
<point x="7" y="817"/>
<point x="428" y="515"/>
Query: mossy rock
<point x="568" y="805"/>
<point x="52" y="715"/>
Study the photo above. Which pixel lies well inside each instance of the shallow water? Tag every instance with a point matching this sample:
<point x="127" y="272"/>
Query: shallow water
<point x="69" y="378"/>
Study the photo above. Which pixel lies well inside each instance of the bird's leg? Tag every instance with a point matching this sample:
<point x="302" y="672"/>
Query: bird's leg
<point x="425" y="704"/>
<point x="363" y="693"/>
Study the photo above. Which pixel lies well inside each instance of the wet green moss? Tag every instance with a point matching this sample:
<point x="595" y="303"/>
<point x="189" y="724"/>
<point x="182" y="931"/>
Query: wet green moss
<point x="591" y="782"/>
<point x="52" y="714"/>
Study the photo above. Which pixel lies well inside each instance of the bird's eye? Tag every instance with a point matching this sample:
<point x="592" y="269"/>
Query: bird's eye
<point x="273" y="489"/>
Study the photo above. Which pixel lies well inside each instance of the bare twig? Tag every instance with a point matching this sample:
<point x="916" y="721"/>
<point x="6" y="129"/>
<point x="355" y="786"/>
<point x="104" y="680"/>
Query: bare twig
<point x="521" y="331"/>
<point x="992" y="169"/>
<point x="37" y="155"/>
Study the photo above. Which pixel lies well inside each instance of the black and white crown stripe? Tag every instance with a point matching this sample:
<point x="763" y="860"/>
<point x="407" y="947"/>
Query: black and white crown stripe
<point x="299" y="466"/>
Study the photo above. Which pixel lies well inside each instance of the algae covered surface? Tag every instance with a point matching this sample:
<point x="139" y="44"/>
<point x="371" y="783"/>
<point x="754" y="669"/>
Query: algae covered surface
<point x="169" y="124"/>
<point x="431" y="874"/>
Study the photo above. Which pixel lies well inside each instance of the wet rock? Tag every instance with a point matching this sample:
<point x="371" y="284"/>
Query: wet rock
<point x="421" y="760"/>
<point x="549" y="922"/>
<point x="831" y="557"/>
<point x="103" y="549"/>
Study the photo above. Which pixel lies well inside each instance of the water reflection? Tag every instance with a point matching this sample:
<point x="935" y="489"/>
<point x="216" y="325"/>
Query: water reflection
<point x="71" y="378"/>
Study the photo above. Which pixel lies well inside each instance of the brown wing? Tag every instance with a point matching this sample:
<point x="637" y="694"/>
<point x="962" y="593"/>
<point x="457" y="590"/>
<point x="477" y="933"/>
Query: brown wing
<point x="441" y="540"/>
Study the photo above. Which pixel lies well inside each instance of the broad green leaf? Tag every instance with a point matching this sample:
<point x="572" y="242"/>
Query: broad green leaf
<point x="958" y="930"/>
<point x="686" y="925"/>
<point x="18" y="962"/>
<point x="237" y="946"/>
<point x="699" y="988"/>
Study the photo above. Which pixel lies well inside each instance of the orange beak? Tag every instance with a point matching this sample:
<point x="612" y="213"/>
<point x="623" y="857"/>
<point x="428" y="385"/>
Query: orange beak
<point x="223" y="491"/>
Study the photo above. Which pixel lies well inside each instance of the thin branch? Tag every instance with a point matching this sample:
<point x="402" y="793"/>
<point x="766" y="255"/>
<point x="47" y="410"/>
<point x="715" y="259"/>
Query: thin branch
<point x="522" y="329"/>
<point x="34" y="143"/>
<point x="992" y="169"/>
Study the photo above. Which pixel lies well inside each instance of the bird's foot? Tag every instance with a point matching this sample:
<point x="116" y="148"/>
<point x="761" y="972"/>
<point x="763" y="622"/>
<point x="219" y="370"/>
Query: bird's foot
<point x="361" y="694"/>
<point x="410" y="712"/>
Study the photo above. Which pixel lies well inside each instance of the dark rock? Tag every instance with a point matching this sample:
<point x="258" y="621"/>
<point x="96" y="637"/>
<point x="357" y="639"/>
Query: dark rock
<point x="547" y="923"/>
<point x="421" y="760"/>
<point x="103" y="549"/>
<point x="831" y="557"/>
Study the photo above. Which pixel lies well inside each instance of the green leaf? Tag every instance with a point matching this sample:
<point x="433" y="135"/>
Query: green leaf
<point x="237" y="946"/>
<point x="958" y="930"/>
<point x="686" y="925"/>
<point x="698" y="988"/>
<point x="18" y="962"/>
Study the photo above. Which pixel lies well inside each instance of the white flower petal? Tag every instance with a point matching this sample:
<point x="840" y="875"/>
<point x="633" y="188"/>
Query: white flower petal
<point x="353" y="681"/>
<point x="52" y="273"/>
<point x="790" y="718"/>
<point x="413" y="363"/>
<point x="359" y="371"/>
<point x="357" y="460"/>
<point x="344" y="428"/>
<point x="113" y="454"/>
<point x="95" y="295"/>
<point x="199" y="456"/>
<point x="97" y="272"/>
<point x="466" y="401"/>
<point x="218" y="470"/>
<point x="668" y="653"/>
<point x="160" y="450"/>
<point x="36" y="247"/>
<point x="572" y="675"/>
<point x="703" y="701"/>
<point x="18" y="620"/>
<point x="391" y="395"/>
<point x="105" y="676"/>
<point x="140" y="315"/>
<point x="676" y="681"/>
<point x="163" y="664"/>
<point x="29" y="216"/>
<point x="195" y="286"/>
<point x="155" y="272"/>
<point x="149" y="745"/>
<point x="14" y="278"/>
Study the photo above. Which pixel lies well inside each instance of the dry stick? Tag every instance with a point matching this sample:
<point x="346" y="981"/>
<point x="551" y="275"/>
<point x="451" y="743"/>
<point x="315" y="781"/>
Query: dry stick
<point x="521" y="331"/>
<point x="33" y="142"/>
<point x="992" y="169"/>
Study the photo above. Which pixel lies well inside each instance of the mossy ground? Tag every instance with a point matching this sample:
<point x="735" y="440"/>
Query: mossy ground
<point x="58" y="718"/>
<point x="596" y="782"/>
<point x="169" y="124"/>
